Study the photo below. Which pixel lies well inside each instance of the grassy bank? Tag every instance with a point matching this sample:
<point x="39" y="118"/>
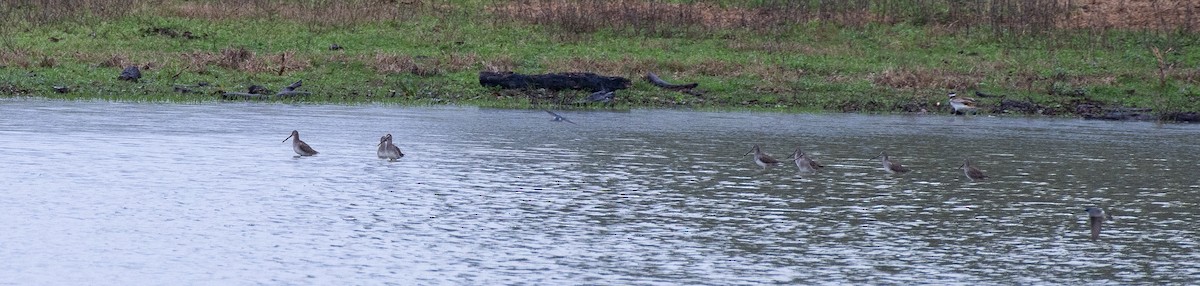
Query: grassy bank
<point x="873" y="59"/>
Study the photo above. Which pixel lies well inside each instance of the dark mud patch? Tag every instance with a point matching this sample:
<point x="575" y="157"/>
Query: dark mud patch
<point x="171" y="33"/>
<point x="1010" y="106"/>
<point x="13" y="90"/>
<point x="1093" y="109"/>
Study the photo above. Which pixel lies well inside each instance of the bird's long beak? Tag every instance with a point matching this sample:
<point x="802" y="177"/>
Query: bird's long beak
<point x="380" y="143"/>
<point x="747" y="153"/>
<point x="285" y="139"/>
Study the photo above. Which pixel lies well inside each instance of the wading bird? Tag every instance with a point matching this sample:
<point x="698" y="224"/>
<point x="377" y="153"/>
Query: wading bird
<point x="300" y="147"/>
<point x="804" y="163"/>
<point x="387" y="150"/>
<point x="889" y="166"/>
<point x="972" y="173"/>
<point x="761" y="159"/>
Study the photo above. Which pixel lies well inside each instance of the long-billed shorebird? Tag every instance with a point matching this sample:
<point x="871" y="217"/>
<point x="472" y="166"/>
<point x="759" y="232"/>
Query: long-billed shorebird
<point x="761" y="159"/>
<point x="961" y="105"/>
<point x="387" y="150"/>
<point x="803" y="162"/>
<point x="558" y="118"/>
<point x="972" y="173"/>
<point x="299" y="146"/>
<point x="1096" y="217"/>
<point x="889" y="166"/>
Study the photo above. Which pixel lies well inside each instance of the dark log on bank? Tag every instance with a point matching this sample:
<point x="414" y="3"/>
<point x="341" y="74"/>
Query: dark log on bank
<point x="689" y="88"/>
<point x="258" y="92"/>
<point x="1192" y="117"/>
<point x="1121" y="115"/>
<point x="654" y="79"/>
<point x="556" y="81"/>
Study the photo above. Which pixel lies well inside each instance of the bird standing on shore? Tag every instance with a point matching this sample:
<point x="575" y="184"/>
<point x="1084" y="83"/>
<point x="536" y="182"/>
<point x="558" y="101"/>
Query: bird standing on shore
<point x="300" y="147"/>
<point x="961" y="105"/>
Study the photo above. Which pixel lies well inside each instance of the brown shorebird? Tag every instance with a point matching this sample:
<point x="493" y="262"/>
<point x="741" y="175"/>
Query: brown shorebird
<point x="299" y="146"/>
<point x="1096" y="217"/>
<point x="804" y="163"/>
<point x="961" y="105"/>
<point x="387" y="150"/>
<point x="972" y="173"/>
<point x="889" y="166"/>
<point x="761" y="159"/>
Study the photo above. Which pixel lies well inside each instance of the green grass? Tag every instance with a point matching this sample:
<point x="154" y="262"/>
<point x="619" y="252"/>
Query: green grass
<point x="808" y="67"/>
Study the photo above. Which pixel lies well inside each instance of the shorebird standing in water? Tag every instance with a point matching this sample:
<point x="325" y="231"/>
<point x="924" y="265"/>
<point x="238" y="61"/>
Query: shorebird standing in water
<point x="387" y="150"/>
<point x="961" y="105"/>
<point x="805" y="163"/>
<point x="558" y="118"/>
<point x="1096" y="217"/>
<point x="299" y="146"/>
<point x="761" y="159"/>
<point x="889" y="166"/>
<point x="972" y="173"/>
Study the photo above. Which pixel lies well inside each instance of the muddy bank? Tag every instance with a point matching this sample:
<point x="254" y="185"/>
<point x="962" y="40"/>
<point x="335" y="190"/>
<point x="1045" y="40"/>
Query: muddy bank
<point x="996" y="105"/>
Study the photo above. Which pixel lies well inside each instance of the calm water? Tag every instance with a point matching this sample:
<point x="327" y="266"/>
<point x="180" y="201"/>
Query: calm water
<point x="207" y="194"/>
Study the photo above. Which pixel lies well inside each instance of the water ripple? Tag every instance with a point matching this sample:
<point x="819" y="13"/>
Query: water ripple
<point x="145" y="193"/>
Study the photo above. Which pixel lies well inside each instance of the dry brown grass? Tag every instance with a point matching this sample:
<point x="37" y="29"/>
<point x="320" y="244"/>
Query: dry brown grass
<point x="242" y="59"/>
<point x="399" y="64"/>
<point x="779" y="47"/>
<point x="319" y="12"/>
<point x="15" y="57"/>
<point x="502" y="63"/>
<point x="324" y="12"/>
<point x="771" y="73"/>
<point x="926" y="78"/>
<point x="645" y="16"/>
<point x="47" y="62"/>
<point x="1134" y="14"/>
<point x="116" y="61"/>
<point x="951" y="16"/>
<point x="422" y="66"/>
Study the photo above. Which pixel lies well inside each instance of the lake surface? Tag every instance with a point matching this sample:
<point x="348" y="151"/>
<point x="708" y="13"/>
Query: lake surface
<point x="130" y="193"/>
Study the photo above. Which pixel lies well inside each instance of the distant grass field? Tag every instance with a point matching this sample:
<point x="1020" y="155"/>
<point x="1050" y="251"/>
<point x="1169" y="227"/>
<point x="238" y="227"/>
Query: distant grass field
<point x="852" y="59"/>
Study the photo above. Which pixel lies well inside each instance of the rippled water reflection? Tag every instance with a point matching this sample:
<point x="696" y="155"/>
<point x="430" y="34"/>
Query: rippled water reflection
<point x="159" y="194"/>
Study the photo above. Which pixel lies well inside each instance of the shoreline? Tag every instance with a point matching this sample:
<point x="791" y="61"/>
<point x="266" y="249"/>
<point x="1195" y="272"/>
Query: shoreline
<point x="433" y="53"/>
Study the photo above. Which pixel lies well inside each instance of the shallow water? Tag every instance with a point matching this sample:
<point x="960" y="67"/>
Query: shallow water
<point x="207" y="194"/>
